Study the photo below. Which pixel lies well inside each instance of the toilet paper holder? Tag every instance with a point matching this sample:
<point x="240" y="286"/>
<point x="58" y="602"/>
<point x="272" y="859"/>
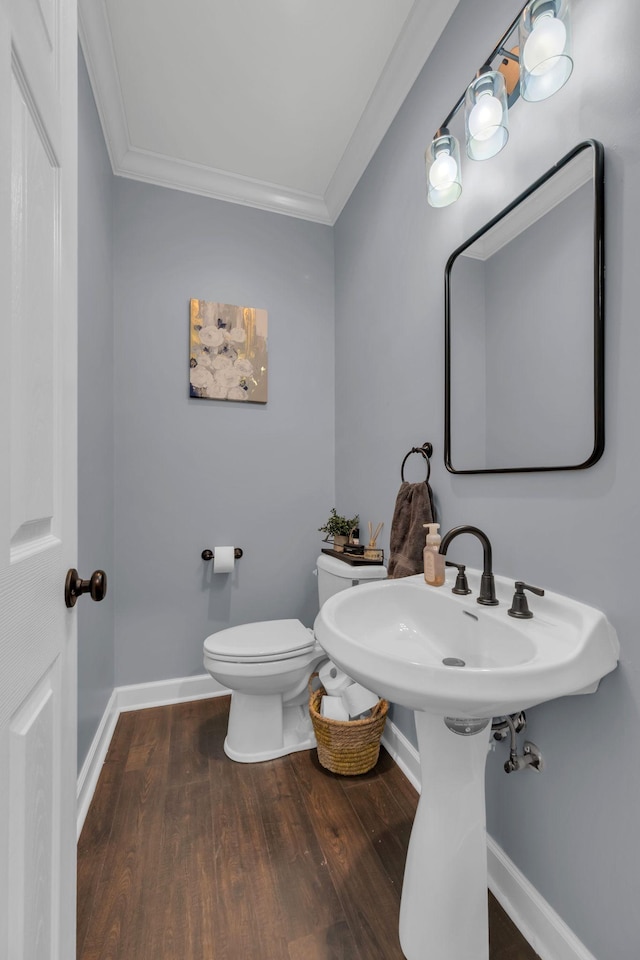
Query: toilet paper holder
<point x="209" y="554"/>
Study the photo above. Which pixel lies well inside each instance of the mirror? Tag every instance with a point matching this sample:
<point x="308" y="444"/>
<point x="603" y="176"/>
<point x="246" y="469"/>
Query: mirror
<point x="524" y="329"/>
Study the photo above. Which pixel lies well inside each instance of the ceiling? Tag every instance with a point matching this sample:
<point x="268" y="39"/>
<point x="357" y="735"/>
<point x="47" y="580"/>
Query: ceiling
<point x="276" y="104"/>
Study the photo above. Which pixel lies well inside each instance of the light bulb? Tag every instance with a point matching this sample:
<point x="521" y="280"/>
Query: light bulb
<point x="485" y="117"/>
<point x="442" y="157"/>
<point x="443" y="171"/>
<point x="545" y="44"/>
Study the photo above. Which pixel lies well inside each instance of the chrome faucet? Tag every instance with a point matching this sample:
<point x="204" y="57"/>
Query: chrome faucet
<point x="487" y="593"/>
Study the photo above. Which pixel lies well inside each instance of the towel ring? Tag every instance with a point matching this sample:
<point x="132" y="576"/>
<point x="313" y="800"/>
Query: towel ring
<point x="425" y="450"/>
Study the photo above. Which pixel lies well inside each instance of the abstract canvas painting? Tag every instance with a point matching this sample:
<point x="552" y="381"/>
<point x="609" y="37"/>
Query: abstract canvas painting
<point x="228" y="352"/>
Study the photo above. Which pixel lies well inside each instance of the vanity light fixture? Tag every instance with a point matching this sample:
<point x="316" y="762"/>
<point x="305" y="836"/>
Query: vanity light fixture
<point x="538" y="44"/>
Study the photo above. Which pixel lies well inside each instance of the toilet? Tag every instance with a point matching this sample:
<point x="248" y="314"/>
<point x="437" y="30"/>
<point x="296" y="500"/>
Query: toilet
<point x="267" y="665"/>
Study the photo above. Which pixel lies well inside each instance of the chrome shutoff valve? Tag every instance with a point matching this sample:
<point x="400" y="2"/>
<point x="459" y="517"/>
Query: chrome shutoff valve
<point x="531" y="759"/>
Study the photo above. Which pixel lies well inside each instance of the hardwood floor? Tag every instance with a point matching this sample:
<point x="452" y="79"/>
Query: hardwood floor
<point x="186" y="855"/>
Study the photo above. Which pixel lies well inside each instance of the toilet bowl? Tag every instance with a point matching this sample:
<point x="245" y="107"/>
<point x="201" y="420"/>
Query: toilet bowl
<point x="267" y="666"/>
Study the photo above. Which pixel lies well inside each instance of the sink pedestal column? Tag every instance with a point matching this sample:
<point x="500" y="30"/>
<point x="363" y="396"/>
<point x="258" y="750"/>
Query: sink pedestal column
<point x="443" y="912"/>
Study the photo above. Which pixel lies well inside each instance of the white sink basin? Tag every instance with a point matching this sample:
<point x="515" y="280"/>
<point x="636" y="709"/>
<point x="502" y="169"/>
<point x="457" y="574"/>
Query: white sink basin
<point x="393" y="636"/>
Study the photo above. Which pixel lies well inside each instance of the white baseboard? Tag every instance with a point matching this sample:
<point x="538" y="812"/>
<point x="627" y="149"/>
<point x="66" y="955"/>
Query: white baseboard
<point x="88" y="776"/>
<point x="160" y="693"/>
<point x="537" y="921"/>
<point x="137" y="696"/>
<point x="403" y="752"/>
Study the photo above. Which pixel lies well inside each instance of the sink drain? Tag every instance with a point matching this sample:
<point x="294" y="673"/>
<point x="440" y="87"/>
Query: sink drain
<point x="453" y="662"/>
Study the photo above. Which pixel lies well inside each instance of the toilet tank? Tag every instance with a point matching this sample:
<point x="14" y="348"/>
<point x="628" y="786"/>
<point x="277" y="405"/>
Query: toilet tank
<point x="335" y="575"/>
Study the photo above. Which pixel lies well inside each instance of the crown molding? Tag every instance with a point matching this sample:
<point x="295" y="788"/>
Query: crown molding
<point x="94" y="34"/>
<point x="209" y="182"/>
<point x="419" y="35"/>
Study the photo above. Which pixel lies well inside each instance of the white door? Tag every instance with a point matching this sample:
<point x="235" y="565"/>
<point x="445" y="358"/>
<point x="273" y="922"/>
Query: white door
<point x="38" y="184"/>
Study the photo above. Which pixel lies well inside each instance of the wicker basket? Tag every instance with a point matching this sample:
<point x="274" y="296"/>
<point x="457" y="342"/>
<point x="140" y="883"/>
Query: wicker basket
<point x="348" y="747"/>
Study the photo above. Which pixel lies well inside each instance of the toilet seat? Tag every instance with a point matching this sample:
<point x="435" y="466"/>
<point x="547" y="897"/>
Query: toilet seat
<point x="264" y="642"/>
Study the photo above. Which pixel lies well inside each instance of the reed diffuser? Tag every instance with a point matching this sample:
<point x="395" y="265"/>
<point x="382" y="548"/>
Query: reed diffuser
<point x="371" y="551"/>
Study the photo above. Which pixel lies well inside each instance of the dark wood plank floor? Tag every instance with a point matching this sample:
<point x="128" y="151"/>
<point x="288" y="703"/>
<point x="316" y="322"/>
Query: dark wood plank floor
<point x="186" y="855"/>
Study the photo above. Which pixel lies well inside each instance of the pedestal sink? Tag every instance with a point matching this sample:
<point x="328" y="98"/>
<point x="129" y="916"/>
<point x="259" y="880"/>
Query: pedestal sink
<point x="457" y="665"/>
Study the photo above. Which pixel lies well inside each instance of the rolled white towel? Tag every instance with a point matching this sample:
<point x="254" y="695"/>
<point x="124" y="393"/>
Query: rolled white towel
<point x="333" y="708"/>
<point x="358" y="700"/>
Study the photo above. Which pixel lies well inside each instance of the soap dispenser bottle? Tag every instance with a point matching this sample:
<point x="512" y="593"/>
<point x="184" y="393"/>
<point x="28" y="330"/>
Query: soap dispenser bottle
<point x="434" y="562"/>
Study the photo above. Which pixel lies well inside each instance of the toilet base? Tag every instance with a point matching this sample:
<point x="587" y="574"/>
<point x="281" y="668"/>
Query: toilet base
<point x="261" y="728"/>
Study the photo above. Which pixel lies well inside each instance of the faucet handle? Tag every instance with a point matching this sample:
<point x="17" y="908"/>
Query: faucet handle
<point x="519" y="607"/>
<point x="462" y="587"/>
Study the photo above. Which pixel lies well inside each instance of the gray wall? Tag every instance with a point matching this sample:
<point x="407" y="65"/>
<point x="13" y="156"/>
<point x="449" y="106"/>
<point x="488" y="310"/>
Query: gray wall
<point x="96" y="655"/>
<point x="195" y="473"/>
<point x="573" y="830"/>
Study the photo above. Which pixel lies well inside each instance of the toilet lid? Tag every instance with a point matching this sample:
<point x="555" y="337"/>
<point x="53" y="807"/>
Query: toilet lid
<point x="260" y="642"/>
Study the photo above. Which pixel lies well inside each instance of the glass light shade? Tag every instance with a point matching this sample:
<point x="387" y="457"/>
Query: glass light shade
<point x="545" y="41"/>
<point x="486" y="115"/>
<point x="444" y="178"/>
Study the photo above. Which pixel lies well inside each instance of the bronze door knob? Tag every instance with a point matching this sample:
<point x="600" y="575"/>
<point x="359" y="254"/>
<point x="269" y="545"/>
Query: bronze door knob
<point x="74" y="587"/>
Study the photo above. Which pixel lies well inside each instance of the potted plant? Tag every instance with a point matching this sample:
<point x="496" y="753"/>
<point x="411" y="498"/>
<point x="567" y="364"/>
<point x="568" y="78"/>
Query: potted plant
<point x="339" y="528"/>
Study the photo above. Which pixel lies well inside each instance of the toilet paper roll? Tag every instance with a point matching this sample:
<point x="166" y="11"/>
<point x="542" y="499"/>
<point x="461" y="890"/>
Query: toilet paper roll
<point x="333" y="679"/>
<point x="333" y="708"/>
<point x="358" y="700"/>
<point x="223" y="559"/>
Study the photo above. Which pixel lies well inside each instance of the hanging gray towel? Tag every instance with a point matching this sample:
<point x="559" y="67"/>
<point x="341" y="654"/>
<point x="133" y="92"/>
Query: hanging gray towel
<point x="414" y="506"/>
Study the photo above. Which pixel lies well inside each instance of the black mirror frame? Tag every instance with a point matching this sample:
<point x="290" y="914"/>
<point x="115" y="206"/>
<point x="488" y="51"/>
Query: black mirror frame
<point x="598" y="318"/>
